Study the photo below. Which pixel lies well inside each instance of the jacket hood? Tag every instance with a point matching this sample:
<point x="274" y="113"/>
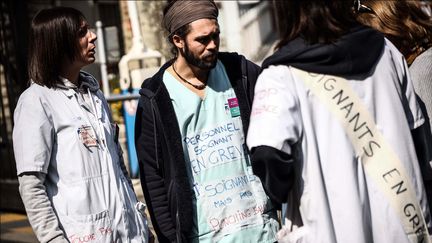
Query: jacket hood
<point x="88" y="82"/>
<point x="354" y="53"/>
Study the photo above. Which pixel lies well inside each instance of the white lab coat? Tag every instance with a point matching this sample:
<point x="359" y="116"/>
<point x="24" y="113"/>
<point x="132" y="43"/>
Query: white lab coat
<point x="84" y="181"/>
<point x="339" y="202"/>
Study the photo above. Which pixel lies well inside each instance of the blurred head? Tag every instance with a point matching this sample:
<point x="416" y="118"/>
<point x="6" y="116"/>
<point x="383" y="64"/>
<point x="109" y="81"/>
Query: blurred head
<point x="58" y="36"/>
<point x="193" y="31"/>
<point x="317" y="21"/>
<point x="403" y="22"/>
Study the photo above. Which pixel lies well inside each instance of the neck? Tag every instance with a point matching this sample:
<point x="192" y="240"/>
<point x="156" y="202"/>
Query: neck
<point x="189" y="71"/>
<point x="70" y="72"/>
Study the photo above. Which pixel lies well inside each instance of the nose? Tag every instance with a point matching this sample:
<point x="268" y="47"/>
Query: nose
<point x="213" y="44"/>
<point x="93" y="36"/>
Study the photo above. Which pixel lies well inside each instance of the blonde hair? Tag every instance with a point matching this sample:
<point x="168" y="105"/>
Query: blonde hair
<point x="403" y="22"/>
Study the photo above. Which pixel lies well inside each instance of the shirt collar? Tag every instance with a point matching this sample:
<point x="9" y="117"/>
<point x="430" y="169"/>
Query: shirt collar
<point x="68" y="88"/>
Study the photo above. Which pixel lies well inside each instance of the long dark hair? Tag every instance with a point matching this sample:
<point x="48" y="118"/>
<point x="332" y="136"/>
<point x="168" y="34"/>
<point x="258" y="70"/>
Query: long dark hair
<point x="54" y="36"/>
<point x="317" y="21"/>
<point x="403" y="22"/>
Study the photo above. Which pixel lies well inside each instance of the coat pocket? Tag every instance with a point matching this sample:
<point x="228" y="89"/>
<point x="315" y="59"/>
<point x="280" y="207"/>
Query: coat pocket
<point x="88" y="228"/>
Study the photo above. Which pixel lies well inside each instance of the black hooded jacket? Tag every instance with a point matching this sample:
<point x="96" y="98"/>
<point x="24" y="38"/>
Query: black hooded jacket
<point x="164" y="179"/>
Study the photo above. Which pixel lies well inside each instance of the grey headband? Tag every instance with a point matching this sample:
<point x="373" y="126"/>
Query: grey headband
<point x="184" y="12"/>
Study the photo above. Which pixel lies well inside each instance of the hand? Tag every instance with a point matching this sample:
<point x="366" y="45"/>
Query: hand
<point x="291" y="233"/>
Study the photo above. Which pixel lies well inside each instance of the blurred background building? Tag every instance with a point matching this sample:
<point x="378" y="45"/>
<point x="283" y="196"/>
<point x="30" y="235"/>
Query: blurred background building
<point x="133" y="47"/>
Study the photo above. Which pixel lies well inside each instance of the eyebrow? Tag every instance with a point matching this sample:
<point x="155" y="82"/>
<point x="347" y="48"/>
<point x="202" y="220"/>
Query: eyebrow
<point x="208" y="35"/>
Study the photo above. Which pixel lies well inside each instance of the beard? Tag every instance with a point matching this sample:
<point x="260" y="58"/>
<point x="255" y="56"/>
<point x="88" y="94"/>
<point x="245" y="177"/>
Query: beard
<point x="197" y="61"/>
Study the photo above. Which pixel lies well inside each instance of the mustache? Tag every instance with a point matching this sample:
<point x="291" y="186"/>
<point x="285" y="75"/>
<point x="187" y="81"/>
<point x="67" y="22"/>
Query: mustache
<point x="210" y="55"/>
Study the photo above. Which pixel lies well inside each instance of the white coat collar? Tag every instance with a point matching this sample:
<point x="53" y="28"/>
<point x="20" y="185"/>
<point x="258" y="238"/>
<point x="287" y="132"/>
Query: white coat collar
<point x="68" y="88"/>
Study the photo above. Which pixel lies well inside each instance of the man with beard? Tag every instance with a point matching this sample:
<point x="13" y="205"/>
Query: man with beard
<point x="190" y="131"/>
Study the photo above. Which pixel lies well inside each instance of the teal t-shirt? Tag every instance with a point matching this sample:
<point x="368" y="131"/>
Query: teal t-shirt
<point x="231" y="205"/>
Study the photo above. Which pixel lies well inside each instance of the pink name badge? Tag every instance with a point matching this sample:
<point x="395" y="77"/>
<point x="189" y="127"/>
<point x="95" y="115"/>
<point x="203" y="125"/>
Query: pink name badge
<point x="87" y="136"/>
<point x="233" y="102"/>
<point x="234" y="107"/>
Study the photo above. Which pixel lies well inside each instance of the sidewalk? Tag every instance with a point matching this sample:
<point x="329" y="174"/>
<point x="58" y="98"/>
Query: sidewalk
<point x="14" y="227"/>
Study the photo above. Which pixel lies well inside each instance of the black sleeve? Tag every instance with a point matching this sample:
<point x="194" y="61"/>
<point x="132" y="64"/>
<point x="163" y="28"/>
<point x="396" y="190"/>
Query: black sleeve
<point x="423" y="144"/>
<point x="151" y="174"/>
<point x="276" y="171"/>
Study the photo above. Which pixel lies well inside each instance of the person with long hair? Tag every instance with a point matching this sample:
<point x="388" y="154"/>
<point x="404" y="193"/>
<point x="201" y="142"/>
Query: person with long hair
<point x="72" y="177"/>
<point x="405" y="23"/>
<point x="330" y="130"/>
<point x="408" y="26"/>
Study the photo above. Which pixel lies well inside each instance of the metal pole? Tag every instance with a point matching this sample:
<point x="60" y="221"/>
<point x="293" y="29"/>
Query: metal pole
<point x="137" y="43"/>
<point x="102" y="58"/>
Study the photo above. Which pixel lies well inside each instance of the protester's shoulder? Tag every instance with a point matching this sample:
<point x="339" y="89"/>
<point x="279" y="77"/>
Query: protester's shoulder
<point x="276" y="73"/>
<point x="232" y="57"/>
<point x="35" y="91"/>
<point x="423" y="64"/>
<point x="152" y="85"/>
<point x="236" y="64"/>
<point x="36" y="97"/>
<point x="391" y="50"/>
<point x="278" y="80"/>
<point x="228" y="55"/>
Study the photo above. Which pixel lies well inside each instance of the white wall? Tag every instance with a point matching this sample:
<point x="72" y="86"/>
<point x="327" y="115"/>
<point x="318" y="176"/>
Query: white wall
<point x="245" y="34"/>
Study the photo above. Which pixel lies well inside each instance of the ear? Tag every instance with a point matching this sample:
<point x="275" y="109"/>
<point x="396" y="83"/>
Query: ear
<point x="178" y="41"/>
